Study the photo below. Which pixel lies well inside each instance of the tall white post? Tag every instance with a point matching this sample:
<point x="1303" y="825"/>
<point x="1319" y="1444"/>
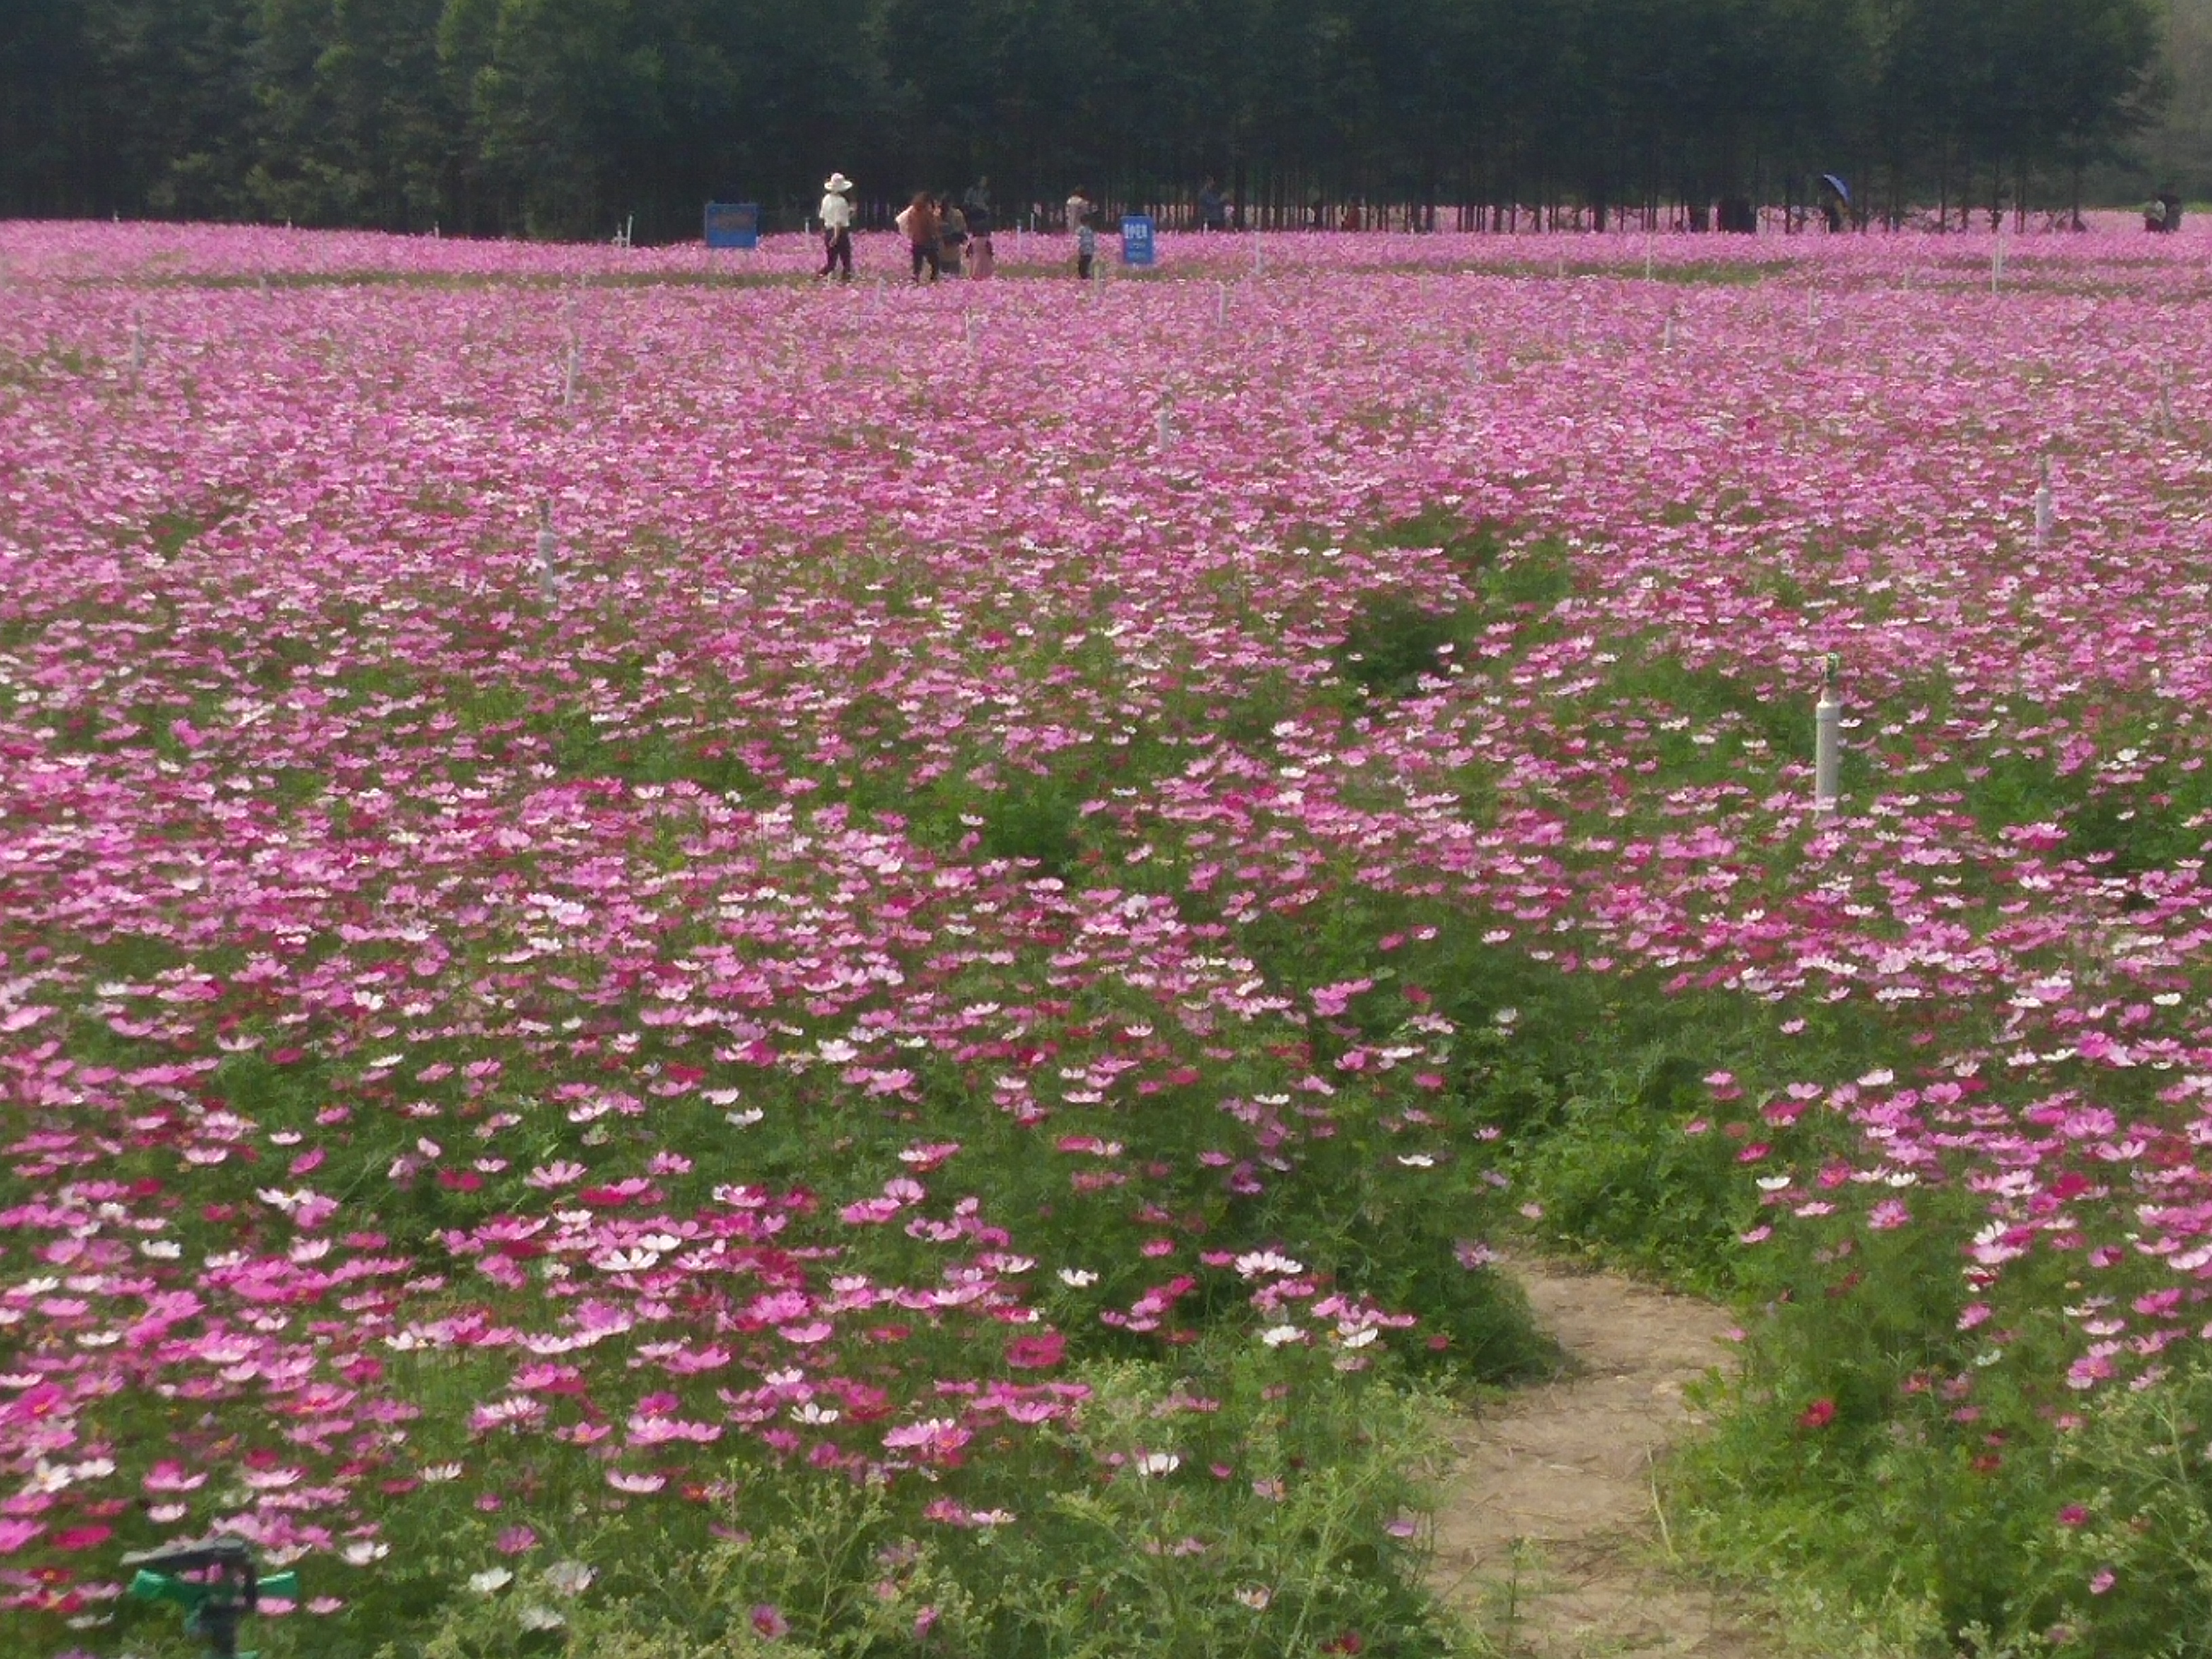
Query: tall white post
<point x="2043" y="503"/>
<point x="1827" y="742"/>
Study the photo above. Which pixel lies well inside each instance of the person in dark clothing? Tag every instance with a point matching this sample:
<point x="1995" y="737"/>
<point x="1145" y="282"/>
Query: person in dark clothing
<point x="951" y="236"/>
<point x="1212" y="207"/>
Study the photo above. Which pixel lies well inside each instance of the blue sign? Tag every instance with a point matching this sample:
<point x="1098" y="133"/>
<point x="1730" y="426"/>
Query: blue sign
<point x="1137" y="239"/>
<point x="734" y="224"/>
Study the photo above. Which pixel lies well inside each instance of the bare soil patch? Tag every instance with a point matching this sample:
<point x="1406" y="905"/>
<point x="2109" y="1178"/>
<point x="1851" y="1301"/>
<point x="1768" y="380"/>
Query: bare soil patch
<point x="1549" y="1535"/>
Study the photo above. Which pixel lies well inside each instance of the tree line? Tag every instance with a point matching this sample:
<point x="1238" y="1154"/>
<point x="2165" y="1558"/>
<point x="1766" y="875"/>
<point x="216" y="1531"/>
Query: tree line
<point x="568" y="117"/>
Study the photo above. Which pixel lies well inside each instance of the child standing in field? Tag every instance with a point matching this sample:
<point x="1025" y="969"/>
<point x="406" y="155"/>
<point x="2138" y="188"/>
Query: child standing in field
<point x="982" y="257"/>
<point x="1086" y="249"/>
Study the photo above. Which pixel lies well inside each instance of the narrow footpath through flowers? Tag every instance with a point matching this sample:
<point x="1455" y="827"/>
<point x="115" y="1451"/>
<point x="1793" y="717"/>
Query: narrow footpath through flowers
<point x="1548" y="1531"/>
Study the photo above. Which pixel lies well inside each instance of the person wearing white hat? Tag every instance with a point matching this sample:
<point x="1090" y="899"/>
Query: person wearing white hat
<point x="837" y="225"/>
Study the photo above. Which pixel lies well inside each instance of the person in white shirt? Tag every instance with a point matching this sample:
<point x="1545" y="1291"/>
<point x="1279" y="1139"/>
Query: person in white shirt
<point x="1078" y="209"/>
<point x="837" y="225"/>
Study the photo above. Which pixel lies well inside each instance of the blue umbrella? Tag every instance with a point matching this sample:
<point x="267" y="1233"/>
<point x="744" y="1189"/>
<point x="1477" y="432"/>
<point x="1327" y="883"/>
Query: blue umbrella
<point x="1839" y="186"/>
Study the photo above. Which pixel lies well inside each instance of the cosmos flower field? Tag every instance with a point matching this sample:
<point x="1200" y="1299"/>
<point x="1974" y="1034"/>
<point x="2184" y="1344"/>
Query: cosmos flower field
<point x="647" y="910"/>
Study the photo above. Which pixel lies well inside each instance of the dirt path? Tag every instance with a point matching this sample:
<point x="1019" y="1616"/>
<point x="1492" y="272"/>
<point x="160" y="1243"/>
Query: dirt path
<point x="1548" y="1533"/>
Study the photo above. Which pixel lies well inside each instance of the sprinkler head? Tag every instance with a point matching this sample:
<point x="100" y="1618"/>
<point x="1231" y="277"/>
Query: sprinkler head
<point x="228" y="1587"/>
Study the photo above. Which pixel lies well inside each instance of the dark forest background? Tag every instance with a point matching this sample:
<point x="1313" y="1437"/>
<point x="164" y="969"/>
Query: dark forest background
<point x="568" y="117"/>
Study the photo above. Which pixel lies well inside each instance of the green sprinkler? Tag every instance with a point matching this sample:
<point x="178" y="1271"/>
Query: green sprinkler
<point x="214" y="1581"/>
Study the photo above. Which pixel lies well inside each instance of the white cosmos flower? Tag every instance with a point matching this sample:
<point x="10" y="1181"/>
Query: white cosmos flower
<point x="1157" y="1463"/>
<point x="569" y="1578"/>
<point x="490" y="1579"/>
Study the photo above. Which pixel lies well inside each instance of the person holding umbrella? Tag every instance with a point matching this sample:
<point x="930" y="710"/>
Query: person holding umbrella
<point x="1835" y="197"/>
<point x="837" y="225"/>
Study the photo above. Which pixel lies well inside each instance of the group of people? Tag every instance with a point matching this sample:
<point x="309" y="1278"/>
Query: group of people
<point x="950" y="237"/>
<point x="943" y="237"/>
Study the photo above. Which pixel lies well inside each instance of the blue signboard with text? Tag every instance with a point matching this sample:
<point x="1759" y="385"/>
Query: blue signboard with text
<point x="1137" y="239"/>
<point x="734" y="224"/>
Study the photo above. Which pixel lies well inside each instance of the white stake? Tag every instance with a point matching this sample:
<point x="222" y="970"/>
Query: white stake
<point x="1647" y="256"/>
<point x="548" y="556"/>
<point x="1166" y="423"/>
<point x="2043" y="503"/>
<point x="1827" y="744"/>
<point x="1221" y="309"/>
<point x="2166" y="402"/>
<point x="970" y="325"/>
<point x="1666" y="335"/>
<point x="1996" y="263"/>
<point x="568" y="386"/>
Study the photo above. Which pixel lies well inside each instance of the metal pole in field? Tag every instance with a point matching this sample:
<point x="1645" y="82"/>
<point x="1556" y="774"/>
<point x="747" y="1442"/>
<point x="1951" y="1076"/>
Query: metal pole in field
<point x="1828" y="742"/>
<point x="2043" y="503"/>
